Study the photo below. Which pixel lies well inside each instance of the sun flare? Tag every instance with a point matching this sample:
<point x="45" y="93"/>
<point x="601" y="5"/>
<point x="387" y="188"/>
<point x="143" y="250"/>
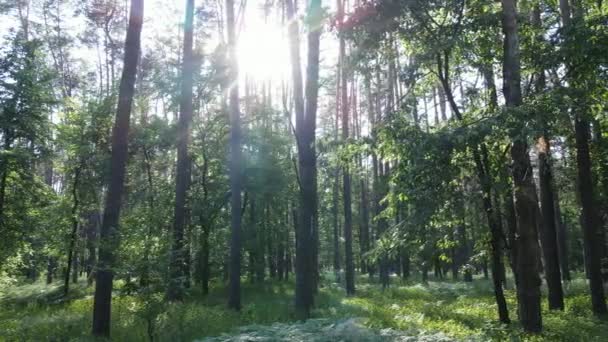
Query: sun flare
<point x="262" y="51"/>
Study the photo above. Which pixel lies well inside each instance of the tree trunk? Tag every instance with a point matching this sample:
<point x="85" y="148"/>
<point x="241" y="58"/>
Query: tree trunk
<point x="50" y="269"/>
<point x="481" y="160"/>
<point x="91" y="245"/>
<point x="545" y="175"/>
<point x="364" y="232"/>
<point x="549" y="235"/>
<point x="383" y="224"/>
<point x="442" y="105"/>
<point x="305" y="138"/>
<point x="496" y="242"/>
<point x="591" y="232"/>
<point x="405" y="264"/>
<point x="592" y="236"/>
<point x="234" y="296"/>
<point x="336" y="228"/>
<point x="346" y="179"/>
<point x="175" y="289"/>
<point x="526" y="207"/>
<point x="311" y="96"/>
<point x="511" y="222"/>
<point x="120" y="135"/>
<point x="204" y="259"/>
<point x="74" y="233"/>
<point x="562" y="240"/>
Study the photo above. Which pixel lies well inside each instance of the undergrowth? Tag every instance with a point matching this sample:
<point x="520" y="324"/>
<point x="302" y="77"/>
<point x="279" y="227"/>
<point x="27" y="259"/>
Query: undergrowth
<point x="453" y="310"/>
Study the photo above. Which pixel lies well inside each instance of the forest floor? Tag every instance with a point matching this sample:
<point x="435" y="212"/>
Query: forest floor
<point x="439" y="311"/>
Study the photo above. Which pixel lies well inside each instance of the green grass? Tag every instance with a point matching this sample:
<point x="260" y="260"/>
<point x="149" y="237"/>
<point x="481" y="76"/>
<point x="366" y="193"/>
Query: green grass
<point x="460" y="311"/>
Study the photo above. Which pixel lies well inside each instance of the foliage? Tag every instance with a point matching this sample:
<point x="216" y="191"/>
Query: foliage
<point x="438" y="311"/>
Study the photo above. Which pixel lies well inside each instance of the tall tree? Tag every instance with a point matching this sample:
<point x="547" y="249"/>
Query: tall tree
<point x="346" y="179"/>
<point x="234" y="299"/>
<point x="306" y="113"/>
<point x="526" y="207"/>
<point x="182" y="181"/>
<point x="311" y="94"/>
<point x="102" y="301"/>
<point x="590" y="222"/>
<point x="482" y="165"/>
<point x="547" y="200"/>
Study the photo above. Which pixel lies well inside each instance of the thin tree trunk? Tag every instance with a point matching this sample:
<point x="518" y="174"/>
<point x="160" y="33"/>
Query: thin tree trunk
<point x="562" y="239"/>
<point x="545" y="175"/>
<point x="336" y="228"/>
<point x="496" y="235"/>
<point x="234" y="299"/>
<point x="442" y="105"/>
<point x="364" y="235"/>
<point x="3" y="182"/>
<point x="511" y="222"/>
<point x="346" y="179"/>
<point x="549" y="236"/>
<point x="311" y="96"/>
<point x="175" y="289"/>
<point x="481" y="159"/>
<point x="74" y="233"/>
<point x="91" y="245"/>
<point x="109" y="229"/>
<point x="204" y="257"/>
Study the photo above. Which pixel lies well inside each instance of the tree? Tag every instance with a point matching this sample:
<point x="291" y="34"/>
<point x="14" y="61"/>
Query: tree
<point x="526" y="205"/>
<point x="109" y="229"/>
<point x="234" y="300"/>
<point x="346" y="179"/>
<point x="182" y="184"/>
<point x="25" y="100"/>
<point x="305" y="139"/>
<point x="547" y="198"/>
<point x="593" y="237"/>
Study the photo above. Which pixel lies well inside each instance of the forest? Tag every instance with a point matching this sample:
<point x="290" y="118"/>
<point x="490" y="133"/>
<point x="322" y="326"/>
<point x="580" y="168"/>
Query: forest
<point x="289" y="170"/>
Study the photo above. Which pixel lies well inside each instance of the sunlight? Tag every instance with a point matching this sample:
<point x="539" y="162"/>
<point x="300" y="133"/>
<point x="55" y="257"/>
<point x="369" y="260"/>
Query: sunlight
<point x="262" y="50"/>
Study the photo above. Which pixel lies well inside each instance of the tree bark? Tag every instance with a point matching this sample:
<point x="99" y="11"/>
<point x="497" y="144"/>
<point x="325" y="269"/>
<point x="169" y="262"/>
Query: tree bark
<point x="526" y="207"/>
<point x="120" y="135"/>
